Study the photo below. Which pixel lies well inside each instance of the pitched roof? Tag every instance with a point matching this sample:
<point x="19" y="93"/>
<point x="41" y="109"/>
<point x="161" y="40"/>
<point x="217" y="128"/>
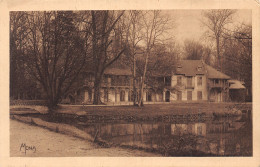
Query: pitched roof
<point x="112" y="70"/>
<point x="118" y="71"/>
<point x="162" y="74"/>
<point x="235" y="84"/>
<point x="190" y="67"/>
<point x="215" y="74"/>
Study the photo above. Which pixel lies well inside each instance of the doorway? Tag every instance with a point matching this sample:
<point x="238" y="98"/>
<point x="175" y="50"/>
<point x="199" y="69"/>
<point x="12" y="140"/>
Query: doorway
<point x="179" y="95"/>
<point x="189" y="95"/>
<point x="167" y="96"/>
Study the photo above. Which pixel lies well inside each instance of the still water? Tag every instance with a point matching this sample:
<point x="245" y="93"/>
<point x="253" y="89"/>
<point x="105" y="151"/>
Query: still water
<point x="214" y="137"/>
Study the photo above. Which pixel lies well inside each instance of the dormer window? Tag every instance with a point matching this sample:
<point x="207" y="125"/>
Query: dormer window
<point x="179" y="68"/>
<point x="199" y="68"/>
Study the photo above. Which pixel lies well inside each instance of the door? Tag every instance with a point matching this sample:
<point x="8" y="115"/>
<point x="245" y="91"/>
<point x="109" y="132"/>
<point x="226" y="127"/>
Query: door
<point x="122" y="95"/>
<point x="189" y="95"/>
<point x="179" y="96"/>
<point x="167" y="96"/>
<point x="199" y="95"/>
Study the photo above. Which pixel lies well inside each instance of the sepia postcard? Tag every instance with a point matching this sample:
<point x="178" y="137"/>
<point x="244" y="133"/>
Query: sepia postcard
<point x="129" y="83"/>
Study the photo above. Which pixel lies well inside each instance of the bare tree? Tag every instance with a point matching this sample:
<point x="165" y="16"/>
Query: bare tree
<point x="215" y="21"/>
<point x="155" y="27"/>
<point x="238" y="54"/>
<point x="193" y="50"/>
<point x="207" y="55"/>
<point x="104" y="33"/>
<point x="55" y="52"/>
<point x="134" y="38"/>
<point x="20" y="84"/>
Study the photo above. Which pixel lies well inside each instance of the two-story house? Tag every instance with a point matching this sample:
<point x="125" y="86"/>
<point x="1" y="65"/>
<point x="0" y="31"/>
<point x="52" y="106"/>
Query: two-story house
<point x="115" y="88"/>
<point x="192" y="80"/>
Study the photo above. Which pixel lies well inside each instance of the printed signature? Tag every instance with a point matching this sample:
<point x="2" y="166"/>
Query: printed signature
<point x="24" y="148"/>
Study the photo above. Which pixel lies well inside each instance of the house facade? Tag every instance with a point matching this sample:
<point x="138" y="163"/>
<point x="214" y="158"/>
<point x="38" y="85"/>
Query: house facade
<point x="192" y="81"/>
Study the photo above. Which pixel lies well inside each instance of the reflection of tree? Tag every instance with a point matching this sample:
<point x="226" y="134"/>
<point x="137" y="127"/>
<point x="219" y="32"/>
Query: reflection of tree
<point x="177" y="144"/>
<point x="239" y="143"/>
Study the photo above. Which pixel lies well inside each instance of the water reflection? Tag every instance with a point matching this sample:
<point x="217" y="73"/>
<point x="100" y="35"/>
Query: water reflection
<point x="226" y="137"/>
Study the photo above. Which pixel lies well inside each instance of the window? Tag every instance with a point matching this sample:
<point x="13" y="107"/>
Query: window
<point x="131" y="96"/>
<point x="167" y="96"/>
<point x="113" y="80"/>
<point x="116" y="98"/>
<point x="179" y="68"/>
<point x="105" y="78"/>
<point x="189" y="81"/>
<point x="167" y="81"/>
<point x="106" y="95"/>
<point x="122" y="95"/>
<point x="179" y="81"/>
<point x="199" y="95"/>
<point x="89" y="94"/>
<point x="189" y="95"/>
<point x="126" y="81"/>
<point x="199" y="68"/>
<point x="120" y="81"/>
<point x="199" y="81"/>
<point x="216" y="81"/>
<point x="109" y="81"/>
<point x="199" y="130"/>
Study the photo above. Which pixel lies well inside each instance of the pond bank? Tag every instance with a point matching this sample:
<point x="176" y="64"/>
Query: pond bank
<point x="151" y="109"/>
<point x="51" y="144"/>
<point x="156" y="109"/>
<point x="91" y="123"/>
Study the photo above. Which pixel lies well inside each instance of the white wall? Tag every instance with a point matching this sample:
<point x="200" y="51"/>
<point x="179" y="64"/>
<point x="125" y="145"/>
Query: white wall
<point x="111" y="95"/>
<point x="196" y="88"/>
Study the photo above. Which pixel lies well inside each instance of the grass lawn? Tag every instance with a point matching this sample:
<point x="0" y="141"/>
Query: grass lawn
<point x="155" y="109"/>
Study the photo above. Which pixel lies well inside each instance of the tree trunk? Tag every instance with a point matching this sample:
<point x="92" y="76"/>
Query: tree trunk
<point x="142" y="81"/>
<point x="218" y="54"/>
<point x="134" y="82"/>
<point x="52" y="105"/>
<point x="97" y="85"/>
<point x="140" y="103"/>
<point x="134" y="93"/>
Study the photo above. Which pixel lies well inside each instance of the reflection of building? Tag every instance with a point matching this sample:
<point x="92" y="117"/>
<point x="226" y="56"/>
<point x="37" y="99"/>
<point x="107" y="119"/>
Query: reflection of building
<point x="192" y="80"/>
<point x="195" y="129"/>
<point x="215" y="137"/>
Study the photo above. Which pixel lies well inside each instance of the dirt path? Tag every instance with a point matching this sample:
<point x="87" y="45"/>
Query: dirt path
<point x="45" y="143"/>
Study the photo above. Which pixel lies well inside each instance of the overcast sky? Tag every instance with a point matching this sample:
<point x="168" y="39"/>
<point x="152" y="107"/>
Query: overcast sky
<point x="189" y="26"/>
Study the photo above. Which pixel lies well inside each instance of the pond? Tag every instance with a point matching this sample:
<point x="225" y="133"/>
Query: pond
<point x="211" y="137"/>
<point x="169" y="135"/>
